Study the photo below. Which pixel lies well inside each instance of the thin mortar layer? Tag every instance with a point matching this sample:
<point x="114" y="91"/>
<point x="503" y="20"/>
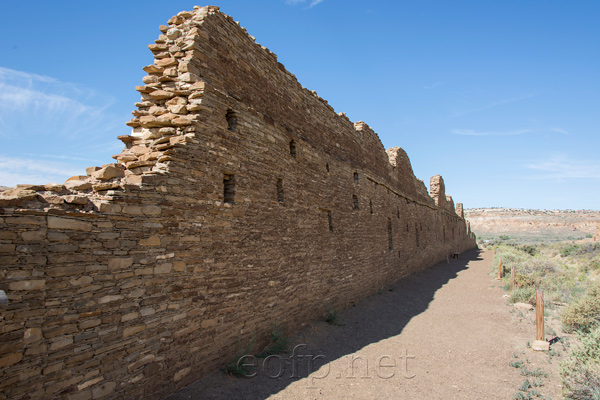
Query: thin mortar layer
<point x="241" y="200"/>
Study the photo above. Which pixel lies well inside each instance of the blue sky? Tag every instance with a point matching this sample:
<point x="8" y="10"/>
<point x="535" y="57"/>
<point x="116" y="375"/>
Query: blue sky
<point x="502" y="98"/>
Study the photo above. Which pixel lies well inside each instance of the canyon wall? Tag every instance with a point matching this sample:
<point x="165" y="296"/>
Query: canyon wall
<point x="241" y="200"/>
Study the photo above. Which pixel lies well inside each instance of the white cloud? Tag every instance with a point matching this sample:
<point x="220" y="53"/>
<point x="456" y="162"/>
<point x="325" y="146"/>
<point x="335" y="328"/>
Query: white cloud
<point x="560" y="167"/>
<point x="433" y="85"/>
<point x="471" y="132"/>
<point x="310" y="4"/>
<point x="492" y="105"/>
<point x="15" y="170"/>
<point x="33" y="105"/>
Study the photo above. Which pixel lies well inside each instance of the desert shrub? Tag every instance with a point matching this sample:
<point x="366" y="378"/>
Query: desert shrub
<point x="540" y="266"/>
<point x="530" y="249"/>
<point x="584" y="313"/>
<point x="278" y="341"/>
<point x="522" y="281"/>
<point x="504" y="237"/>
<point x="585" y="249"/>
<point x="580" y="372"/>
<point x="522" y="295"/>
<point x="593" y="265"/>
<point x="569" y="250"/>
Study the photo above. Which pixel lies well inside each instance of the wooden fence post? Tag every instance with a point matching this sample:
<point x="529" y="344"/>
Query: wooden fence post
<point x="512" y="278"/>
<point x="539" y="315"/>
<point x="500" y="270"/>
<point x="540" y="343"/>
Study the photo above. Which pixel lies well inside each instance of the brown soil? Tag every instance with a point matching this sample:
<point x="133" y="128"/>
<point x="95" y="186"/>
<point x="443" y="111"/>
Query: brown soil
<point x="443" y="333"/>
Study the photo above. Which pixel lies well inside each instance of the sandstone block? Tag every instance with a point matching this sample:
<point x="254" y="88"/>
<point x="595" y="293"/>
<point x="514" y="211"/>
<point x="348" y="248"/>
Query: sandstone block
<point x="119" y="263"/>
<point x="60" y="330"/>
<point x="73" y="199"/>
<point x="8" y="235"/>
<point x="90" y="170"/>
<point x="65" y="271"/>
<point x="81" y="281"/>
<point x="132" y="330"/>
<point x="90" y="323"/>
<point x="68" y="224"/>
<point x="28" y="285"/>
<point x="33" y="235"/>
<point x="106" y="186"/>
<point x="30" y="220"/>
<point x="109" y="208"/>
<point x="53" y="368"/>
<point x="163" y="268"/>
<point x="32" y="335"/>
<point x="179" y="266"/>
<point x="145" y="311"/>
<point x="129" y="316"/>
<point x="153" y="69"/>
<point x="523" y="306"/>
<point x="78" y="185"/>
<point x="208" y="323"/>
<point x="109" y="298"/>
<point x="61" y="343"/>
<point x="103" y="390"/>
<point x="109" y="172"/>
<point x="10" y="359"/>
<point x="181" y="374"/>
<point x="153" y="240"/>
<point x="36" y="350"/>
<point x="89" y="383"/>
<point x="7" y="248"/>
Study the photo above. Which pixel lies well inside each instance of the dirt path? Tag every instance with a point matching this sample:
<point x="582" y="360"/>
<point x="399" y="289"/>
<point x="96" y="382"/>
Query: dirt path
<point x="443" y="333"/>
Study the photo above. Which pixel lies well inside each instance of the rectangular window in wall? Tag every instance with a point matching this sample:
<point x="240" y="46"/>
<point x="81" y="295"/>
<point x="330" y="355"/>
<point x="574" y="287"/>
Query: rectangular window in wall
<point x="228" y="188"/>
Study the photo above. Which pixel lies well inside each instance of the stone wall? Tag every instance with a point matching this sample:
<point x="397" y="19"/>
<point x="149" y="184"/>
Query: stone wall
<point x="241" y="200"/>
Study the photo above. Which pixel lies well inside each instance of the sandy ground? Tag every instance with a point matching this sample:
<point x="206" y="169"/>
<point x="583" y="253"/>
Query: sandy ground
<point x="443" y="333"/>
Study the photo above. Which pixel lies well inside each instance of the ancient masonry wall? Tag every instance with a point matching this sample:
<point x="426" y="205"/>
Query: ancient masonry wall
<point x="241" y="200"/>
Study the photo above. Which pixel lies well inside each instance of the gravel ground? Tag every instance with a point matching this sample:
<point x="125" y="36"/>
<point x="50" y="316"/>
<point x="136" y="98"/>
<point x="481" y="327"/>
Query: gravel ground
<point x="443" y="333"/>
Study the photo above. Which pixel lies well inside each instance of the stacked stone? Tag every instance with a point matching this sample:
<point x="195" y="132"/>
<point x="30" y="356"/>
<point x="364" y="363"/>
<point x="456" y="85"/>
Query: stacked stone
<point x="140" y="276"/>
<point x="172" y="102"/>
<point x="167" y="117"/>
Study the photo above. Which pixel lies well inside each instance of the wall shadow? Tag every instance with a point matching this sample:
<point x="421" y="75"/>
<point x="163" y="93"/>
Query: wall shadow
<point x="376" y="318"/>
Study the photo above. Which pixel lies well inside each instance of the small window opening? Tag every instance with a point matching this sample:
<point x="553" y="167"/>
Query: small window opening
<point x="327" y="167"/>
<point x="330" y="220"/>
<point x="293" y="148"/>
<point x="355" y="202"/>
<point x="231" y="117"/>
<point x="444" y="233"/>
<point x="417" y="234"/>
<point x="280" y="196"/>
<point x="407" y="201"/>
<point x="421" y="226"/>
<point x="452" y="233"/>
<point x="371" y="206"/>
<point x="228" y="188"/>
<point x="398" y="212"/>
<point x="390" y="239"/>
<point x="356" y="177"/>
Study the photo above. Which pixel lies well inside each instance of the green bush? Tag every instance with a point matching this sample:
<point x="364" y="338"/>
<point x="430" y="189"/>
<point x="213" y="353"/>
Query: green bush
<point x="580" y="372"/>
<point x="530" y="249"/>
<point x="522" y="295"/>
<point x="279" y="342"/>
<point x="583" y="314"/>
<point x="569" y="250"/>
<point x="523" y="281"/>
